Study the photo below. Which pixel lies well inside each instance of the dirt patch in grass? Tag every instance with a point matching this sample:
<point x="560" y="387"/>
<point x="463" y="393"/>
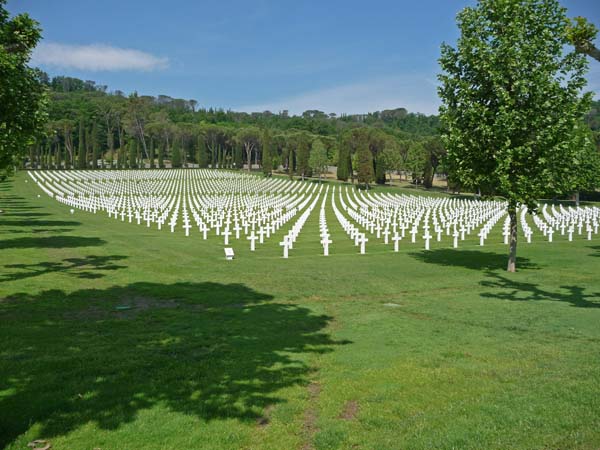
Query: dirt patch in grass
<point x="265" y="419"/>
<point x="309" y="424"/>
<point x="350" y="410"/>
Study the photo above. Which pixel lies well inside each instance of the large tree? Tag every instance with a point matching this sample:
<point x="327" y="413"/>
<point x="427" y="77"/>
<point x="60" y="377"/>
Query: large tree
<point x="318" y="159"/>
<point x="511" y="98"/>
<point x="22" y="93"/>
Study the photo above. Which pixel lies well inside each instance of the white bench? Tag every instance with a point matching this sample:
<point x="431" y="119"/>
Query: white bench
<point x="229" y="253"/>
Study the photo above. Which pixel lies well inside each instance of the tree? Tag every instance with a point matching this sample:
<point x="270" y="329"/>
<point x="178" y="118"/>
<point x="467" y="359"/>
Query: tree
<point x="81" y="160"/>
<point x="415" y="161"/>
<point x="584" y="174"/>
<point x="581" y="34"/>
<point x="22" y="94"/>
<point x="249" y="137"/>
<point x="318" y="160"/>
<point x="161" y="157"/>
<point x="364" y="158"/>
<point x="133" y="151"/>
<point x="434" y="152"/>
<point x="176" y="157"/>
<point x="511" y="98"/>
<point x="202" y="156"/>
<point x="267" y="159"/>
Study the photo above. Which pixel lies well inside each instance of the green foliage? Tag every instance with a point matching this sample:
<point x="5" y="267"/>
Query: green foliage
<point x="511" y="99"/>
<point x="133" y="152"/>
<point x="318" y="160"/>
<point x="176" y="162"/>
<point x="23" y="96"/>
<point x="81" y="159"/>
<point x="364" y="159"/>
<point x="267" y="158"/>
<point x="581" y="34"/>
<point x="161" y="157"/>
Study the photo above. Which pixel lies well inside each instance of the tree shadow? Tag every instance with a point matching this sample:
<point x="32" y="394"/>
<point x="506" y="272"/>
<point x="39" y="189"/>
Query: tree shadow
<point x="597" y="249"/>
<point x="509" y="289"/>
<point x="214" y="351"/>
<point x="86" y="267"/>
<point x="51" y="242"/>
<point x="470" y="259"/>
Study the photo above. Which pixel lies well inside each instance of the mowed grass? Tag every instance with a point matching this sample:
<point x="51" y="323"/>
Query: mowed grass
<point x="116" y="336"/>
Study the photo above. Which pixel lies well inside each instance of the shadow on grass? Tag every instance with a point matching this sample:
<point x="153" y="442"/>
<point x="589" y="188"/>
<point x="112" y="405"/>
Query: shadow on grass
<point x="214" y="351"/>
<point x="513" y="290"/>
<point x="597" y="249"/>
<point x="51" y="242"/>
<point x="470" y="259"/>
<point x="88" y="267"/>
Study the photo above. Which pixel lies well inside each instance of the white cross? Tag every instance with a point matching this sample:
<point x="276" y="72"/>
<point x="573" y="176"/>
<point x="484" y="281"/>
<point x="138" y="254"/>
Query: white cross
<point x="414" y="232"/>
<point x="550" y="232"/>
<point x="427" y="238"/>
<point x="455" y="236"/>
<point x="261" y="233"/>
<point x="362" y="239"/>
<point x="396" y="240"/>
<point x="386" y="233"/>
<point x="252" y="238"/>
<point x="226" y="233"/>
<point x="187" y="227"/>
<point x="325" y="243"/>
<point x="285" y="244"/>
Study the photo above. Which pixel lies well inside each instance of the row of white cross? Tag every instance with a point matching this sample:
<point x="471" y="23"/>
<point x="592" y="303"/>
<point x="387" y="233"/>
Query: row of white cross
<point x="237" y="206"/>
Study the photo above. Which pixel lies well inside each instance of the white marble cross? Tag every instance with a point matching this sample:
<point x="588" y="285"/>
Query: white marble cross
<point x="252" y="238"/>
<point x="325" y="243"/>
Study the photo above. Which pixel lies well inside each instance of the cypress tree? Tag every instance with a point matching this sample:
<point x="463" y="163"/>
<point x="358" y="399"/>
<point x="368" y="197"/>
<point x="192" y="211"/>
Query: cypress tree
<point x="267" y="158"/>
<point x="365" y="164"/>
<point x="152" y="153"/>
<point x="379" y="170"/>
<point x="202" y="154"/>
<point x="81" y="147"/>
<point x="342" y="166"/>
<point x="94" y="145"/>
<point x="58" y="156"/>
<point x="176" y="156"/>
<point x="161" y="157"/>
<point x="132" y="154"/>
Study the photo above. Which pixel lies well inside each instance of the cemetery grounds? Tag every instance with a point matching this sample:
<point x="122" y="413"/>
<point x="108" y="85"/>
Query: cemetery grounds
<point x="122" y="336"/>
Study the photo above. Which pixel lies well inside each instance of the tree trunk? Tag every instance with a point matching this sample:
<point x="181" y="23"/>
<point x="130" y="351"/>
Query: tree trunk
<point x="577" y="198"/>
<point x="512" y="256"/>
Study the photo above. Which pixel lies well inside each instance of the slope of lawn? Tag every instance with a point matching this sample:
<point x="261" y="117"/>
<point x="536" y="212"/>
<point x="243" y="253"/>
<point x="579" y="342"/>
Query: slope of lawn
<point x="117" y="336"/>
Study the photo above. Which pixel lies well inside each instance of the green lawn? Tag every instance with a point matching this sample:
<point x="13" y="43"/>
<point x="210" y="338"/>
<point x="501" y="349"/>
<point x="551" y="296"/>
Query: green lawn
<point x="116" y="336"/>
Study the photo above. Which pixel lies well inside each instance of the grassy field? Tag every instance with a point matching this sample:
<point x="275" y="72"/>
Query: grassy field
<point x="116" y="336"/>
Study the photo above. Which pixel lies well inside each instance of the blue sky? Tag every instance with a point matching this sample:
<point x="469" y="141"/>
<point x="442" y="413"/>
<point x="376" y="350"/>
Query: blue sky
<point x="337" y="56"/>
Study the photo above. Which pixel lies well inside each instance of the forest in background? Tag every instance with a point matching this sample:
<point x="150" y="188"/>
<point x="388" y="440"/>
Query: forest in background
<point x="90" y="127"/>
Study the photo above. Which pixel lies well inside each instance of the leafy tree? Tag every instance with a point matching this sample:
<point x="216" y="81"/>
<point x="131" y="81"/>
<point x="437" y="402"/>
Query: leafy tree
<point x="434" y="152"/>
<point x="202" y="154"/>
<point x="267" y="159"/>
<point x="250" y="139"/>
<point x="415" y="161"/>
<point x="94" y="144"/>
<point x="344" y="165"/>
<point x="511" y="100"/>
<point x="22" y="94"/>
<point x="581" y="34"/>
<point x="133" y="151"/>
<point x="151" y="154"/>
<point x="318" y="160"/>
<point x="364" y="158"/>
<point x="81" y="160"/>
<point x="176" y="157"/>
<point x="161" y="157"/>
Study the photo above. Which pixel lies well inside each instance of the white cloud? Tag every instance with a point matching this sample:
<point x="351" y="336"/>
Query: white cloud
<point x="415" y="93"/>
<point x="95" y="57"/>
